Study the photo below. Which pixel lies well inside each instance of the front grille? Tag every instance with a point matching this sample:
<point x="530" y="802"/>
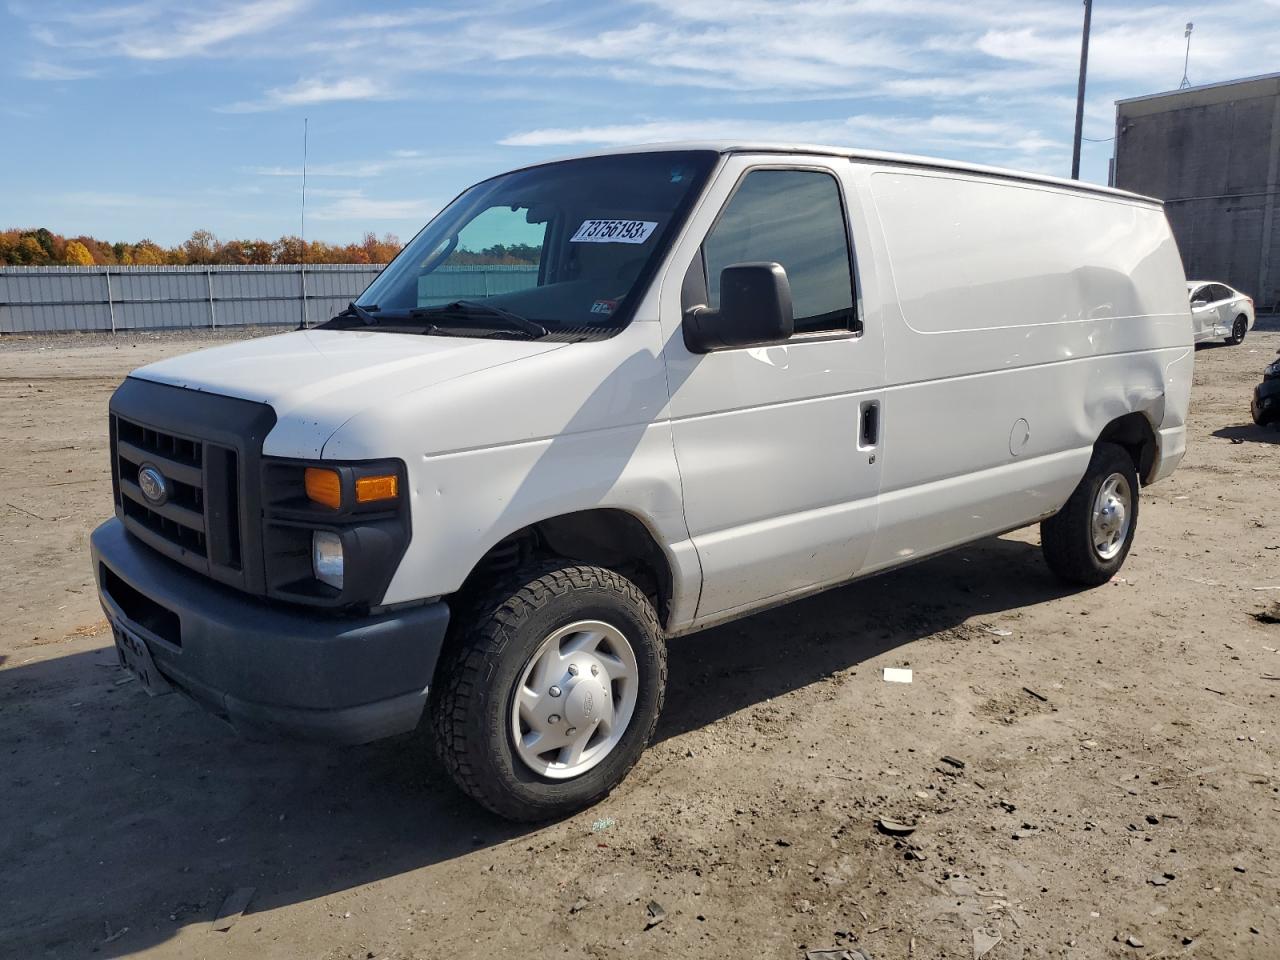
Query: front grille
<point x="199" y="520"/>
<point x="180" y="520"/>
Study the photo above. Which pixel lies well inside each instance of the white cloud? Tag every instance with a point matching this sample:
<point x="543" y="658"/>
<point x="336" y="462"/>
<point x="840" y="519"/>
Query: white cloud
<point x="864" y="130"/>
<point x="157" y="31"/>
<point x="199" y="34"/>
<point x="991" y="81"/>
<point x="398" y="161"/>
<point x="334" y="191"/>
<point x="365" y="209"/>
<point x="310" y="91"/>
<point x="377" y="22"/>
<point x="44" y="70"/>
<point x="116" y="200"/>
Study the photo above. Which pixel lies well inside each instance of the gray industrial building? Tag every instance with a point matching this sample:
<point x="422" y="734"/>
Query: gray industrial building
<point x="1212" y="153"/>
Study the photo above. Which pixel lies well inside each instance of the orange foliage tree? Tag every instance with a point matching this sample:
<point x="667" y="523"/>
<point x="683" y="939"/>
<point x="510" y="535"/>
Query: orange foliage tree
<point x="40" y="247"/>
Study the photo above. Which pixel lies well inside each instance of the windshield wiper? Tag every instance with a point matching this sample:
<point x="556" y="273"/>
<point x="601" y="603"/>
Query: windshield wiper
<point x="475" y="308"/>
<point x="363" y="314"/>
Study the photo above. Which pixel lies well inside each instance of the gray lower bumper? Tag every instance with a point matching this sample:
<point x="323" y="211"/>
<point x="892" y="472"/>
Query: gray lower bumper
<point x="265" y="667"/>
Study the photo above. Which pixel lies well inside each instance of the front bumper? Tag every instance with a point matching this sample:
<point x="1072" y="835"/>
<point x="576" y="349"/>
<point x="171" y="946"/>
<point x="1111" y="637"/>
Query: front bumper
<point x="1265" y="406"/>
<point x="268" y="668"/>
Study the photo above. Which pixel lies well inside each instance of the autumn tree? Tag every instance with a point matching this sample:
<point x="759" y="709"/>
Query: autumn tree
<point x="45" y="238"/>
<point x="101" y="252"/>
<point x="77" y="254"/>
<point x="148" y="254"/>
<point x="30" y="253"/>
<point x="380" y="251"/>
<point x="201" y="248"/>
<point x="40" y="246"/>
<point x="287" y="250"/>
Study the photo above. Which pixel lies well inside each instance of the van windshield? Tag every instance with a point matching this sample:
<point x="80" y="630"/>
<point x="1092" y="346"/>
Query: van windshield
<point x="563" y="248"/>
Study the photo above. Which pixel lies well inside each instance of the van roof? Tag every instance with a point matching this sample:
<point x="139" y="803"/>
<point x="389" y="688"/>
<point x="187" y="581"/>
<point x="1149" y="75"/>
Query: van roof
<point x="747" y="146"/>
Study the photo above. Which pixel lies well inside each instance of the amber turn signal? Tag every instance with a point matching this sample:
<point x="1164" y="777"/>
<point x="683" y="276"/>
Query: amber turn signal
<point x="372" y="489"/>
<point x="324" y="486"/>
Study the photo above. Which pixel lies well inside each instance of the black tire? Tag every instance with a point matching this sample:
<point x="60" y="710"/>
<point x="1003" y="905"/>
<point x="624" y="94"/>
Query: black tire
<point x="478" y="675"/>
<point x="1238" y="330"/>
<point x="1067" y="538"/>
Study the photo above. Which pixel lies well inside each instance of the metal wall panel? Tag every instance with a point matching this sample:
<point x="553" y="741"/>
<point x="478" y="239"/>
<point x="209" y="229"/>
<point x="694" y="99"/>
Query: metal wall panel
<point x="1213" y="155"/>
<point x="54" y="299"/>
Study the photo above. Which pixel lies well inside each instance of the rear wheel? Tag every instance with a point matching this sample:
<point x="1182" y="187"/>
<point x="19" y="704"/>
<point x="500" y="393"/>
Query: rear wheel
<point x="1087" y="540"/>
<point x="1238" y="330"/>
<point x="551" y="691"/>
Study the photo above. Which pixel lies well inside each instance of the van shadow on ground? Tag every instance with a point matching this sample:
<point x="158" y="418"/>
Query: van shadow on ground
<point x="122" y="810"/>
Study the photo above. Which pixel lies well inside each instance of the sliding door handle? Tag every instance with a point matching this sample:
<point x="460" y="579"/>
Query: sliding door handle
<point x="869" y="434"/>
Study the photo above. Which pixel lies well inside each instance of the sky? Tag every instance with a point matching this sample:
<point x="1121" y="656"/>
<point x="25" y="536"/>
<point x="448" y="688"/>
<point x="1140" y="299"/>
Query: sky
<point x="127" y="119"/>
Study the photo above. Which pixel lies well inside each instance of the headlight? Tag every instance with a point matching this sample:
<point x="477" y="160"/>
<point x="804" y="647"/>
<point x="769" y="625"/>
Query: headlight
<point x="334" y="531"/>
<point x="326" y="486"/>
<point x="1272" y="369"/>
<point x="326" y="558"/>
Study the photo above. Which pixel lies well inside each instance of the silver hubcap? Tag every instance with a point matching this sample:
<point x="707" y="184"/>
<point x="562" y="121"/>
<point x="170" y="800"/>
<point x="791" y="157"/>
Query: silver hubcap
<point x="1112" y="514"/>
<point x="574" y="700"/>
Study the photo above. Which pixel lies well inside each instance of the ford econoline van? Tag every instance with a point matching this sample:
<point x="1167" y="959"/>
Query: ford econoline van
<point x="603" y="402"/>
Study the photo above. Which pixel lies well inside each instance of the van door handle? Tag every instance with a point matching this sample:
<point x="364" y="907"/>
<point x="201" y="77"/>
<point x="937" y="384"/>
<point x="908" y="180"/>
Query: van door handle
<point x="870" y="431"/>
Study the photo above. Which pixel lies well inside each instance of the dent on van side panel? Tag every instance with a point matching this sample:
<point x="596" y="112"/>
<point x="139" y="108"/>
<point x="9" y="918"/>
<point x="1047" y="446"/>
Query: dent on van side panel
<point x="1020" y="320"/>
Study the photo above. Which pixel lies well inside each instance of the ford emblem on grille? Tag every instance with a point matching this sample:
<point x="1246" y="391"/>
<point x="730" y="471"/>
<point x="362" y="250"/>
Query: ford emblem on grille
<point x="153" y="484"/>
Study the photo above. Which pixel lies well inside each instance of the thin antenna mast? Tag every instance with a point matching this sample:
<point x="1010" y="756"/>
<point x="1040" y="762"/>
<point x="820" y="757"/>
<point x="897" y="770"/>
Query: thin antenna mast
<point x="1186" y="61"/>
<point x="302" y="254"/>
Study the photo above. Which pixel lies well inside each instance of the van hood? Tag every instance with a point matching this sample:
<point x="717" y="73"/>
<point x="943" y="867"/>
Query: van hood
<point x="329" y="376"/>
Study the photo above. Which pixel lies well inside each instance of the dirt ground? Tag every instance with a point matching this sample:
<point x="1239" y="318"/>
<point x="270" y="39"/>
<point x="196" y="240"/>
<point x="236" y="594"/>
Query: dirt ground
<point x="1119" y="747"/>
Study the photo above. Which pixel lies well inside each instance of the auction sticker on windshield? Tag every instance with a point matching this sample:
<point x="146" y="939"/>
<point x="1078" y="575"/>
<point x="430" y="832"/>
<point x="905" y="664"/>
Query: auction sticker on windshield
<point x="613" y="231"/>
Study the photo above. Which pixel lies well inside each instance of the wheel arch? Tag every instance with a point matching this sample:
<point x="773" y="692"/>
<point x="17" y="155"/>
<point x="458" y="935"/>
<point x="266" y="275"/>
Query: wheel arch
<point x="600" y="536"/>
<point x="1135" y="433"/>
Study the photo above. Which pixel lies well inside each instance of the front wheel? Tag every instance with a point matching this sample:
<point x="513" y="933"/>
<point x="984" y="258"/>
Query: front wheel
<point x="1087" y="540"/>
<point x="1238" y="330"/>
<point x="551" y="691"/>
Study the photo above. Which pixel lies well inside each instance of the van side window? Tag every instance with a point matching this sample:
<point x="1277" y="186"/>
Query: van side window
<point x="795" y="218"/>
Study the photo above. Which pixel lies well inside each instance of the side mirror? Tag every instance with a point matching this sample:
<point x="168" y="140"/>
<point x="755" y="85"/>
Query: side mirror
<point x="1199" y="304"/>
<point x="755" y="309"/>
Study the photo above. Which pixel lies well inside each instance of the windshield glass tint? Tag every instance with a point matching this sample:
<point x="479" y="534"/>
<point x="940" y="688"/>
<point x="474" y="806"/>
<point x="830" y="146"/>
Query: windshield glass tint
<point x="567" y="244"/>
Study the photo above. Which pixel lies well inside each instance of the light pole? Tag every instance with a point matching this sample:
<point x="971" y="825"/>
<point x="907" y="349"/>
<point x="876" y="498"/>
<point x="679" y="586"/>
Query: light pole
<point x="1186" y="61"/>
<point x="1084" y="67"/>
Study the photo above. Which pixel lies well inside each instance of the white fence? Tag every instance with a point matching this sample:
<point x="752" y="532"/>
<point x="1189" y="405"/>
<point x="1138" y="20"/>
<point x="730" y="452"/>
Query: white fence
<point x="52" y="299"/>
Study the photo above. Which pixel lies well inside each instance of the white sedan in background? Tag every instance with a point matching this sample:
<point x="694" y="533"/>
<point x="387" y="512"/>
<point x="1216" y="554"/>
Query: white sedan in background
<point x="1219" y="312"/>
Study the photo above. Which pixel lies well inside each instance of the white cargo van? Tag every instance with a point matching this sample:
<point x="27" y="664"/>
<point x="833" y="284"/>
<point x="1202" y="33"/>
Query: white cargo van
<point x="599" y="403"/>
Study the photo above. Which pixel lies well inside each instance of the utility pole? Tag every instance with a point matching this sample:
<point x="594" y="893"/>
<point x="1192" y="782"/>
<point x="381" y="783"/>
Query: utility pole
<point x="1084" y="68"/>
<point x="1186" y="61"/>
